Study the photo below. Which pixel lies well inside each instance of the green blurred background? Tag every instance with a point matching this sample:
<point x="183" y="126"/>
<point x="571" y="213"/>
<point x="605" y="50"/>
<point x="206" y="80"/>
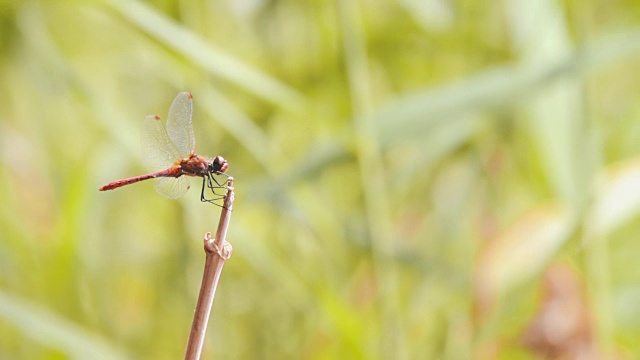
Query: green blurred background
<point x="416" y="179"/>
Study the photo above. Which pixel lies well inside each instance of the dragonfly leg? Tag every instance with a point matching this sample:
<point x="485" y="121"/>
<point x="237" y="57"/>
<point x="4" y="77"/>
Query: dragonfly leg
<point x="207" y="183"/>
<point x="216" y="181"/>
<point x="211" y="179"/>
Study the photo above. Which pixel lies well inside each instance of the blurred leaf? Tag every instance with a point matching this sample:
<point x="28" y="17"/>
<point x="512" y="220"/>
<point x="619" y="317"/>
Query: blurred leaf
<point x="214" y="60"/>
<point x="51" y="330"/>
<point x="321" y="156"/>
<point x="437" y="144"/>
<point x="410" y="117"/>
<point x="554" y="116"/>
<point x="520" y="252"/>
<point x="617" y="199"/>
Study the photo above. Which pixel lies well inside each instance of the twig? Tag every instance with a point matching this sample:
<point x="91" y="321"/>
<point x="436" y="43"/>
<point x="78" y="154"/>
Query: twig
<point x="217" y="251"/>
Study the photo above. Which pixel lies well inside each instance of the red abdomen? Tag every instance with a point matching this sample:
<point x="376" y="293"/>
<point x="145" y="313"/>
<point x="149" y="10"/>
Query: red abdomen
<point x="171" y="172"/>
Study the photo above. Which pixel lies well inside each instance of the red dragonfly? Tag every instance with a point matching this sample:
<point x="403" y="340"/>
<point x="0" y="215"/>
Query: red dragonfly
<point x="169" y="154"/>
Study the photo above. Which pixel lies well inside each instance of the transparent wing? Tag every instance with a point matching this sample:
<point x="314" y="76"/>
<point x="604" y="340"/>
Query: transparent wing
<point x="158" y="150"/>
<point x="179" y="124"/>
<point x="171" y="187"/>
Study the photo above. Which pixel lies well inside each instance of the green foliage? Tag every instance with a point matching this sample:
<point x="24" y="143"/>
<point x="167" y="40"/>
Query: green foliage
<point x="405" y="173"/>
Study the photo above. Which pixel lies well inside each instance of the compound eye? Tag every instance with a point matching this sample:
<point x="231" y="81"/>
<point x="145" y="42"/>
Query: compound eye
<point x="220" y="164"/>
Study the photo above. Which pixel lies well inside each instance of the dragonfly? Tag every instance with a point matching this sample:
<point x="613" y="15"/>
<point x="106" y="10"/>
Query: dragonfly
<point x="169" y="153"/>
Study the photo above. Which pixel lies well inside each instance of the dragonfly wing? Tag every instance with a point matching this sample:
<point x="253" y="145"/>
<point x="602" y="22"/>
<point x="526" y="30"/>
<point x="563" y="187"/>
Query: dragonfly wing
<point x="171" y="187"/>
<point x="158" y="150"/>
<point x="179" y="124"/>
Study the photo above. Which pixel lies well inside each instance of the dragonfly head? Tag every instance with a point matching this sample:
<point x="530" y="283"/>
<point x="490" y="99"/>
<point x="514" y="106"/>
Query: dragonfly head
<point x="218" y="165"/>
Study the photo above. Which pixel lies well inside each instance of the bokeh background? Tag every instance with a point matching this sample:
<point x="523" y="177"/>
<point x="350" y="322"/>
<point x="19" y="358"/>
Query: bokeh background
<point x="416" y="179"/>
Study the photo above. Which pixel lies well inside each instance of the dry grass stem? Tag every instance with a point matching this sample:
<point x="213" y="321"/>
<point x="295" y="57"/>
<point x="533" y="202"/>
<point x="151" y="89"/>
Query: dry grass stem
<point x="217" y="251"/>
